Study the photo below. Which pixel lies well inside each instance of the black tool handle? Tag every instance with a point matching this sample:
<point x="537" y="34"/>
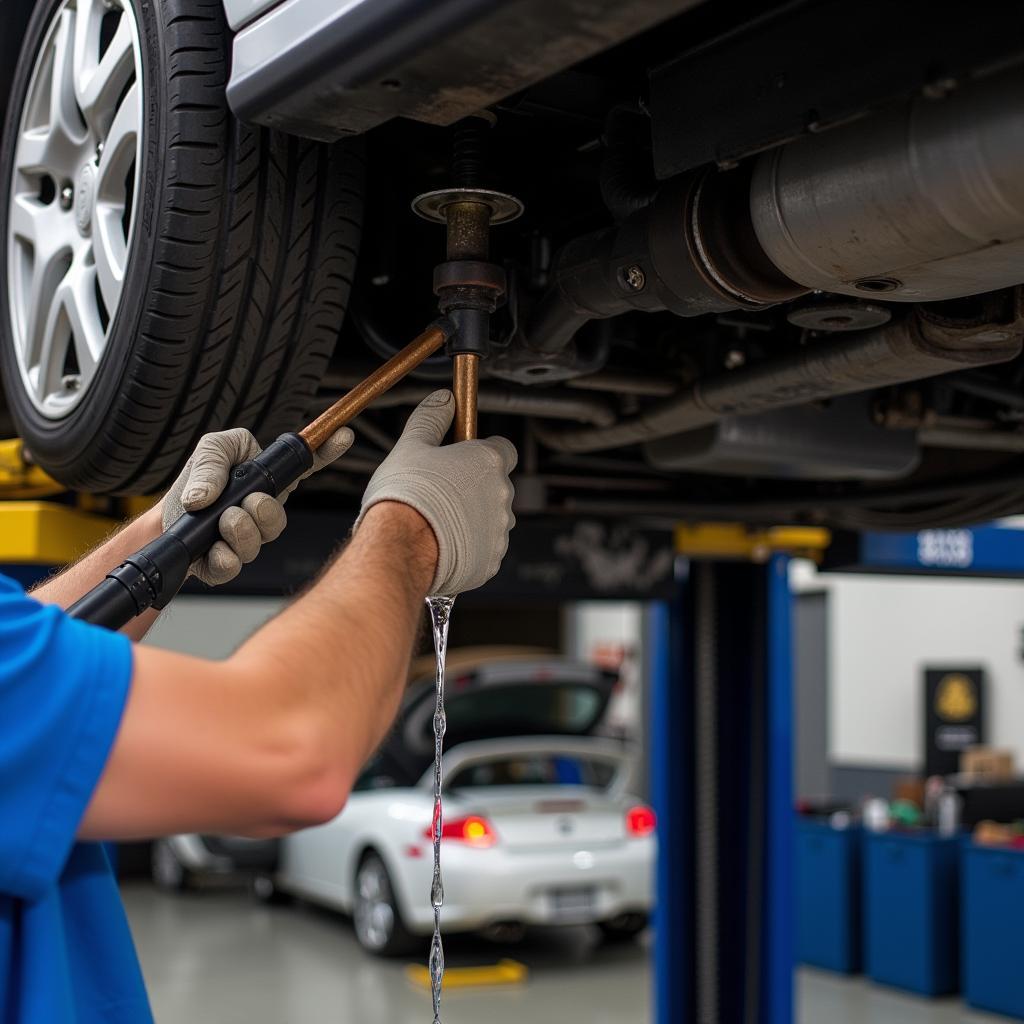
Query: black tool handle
<point x="154" y="574"/>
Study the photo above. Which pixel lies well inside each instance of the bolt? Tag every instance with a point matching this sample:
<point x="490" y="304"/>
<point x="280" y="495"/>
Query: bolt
<point x="99" y="149"/>
<point x="734" y="358"/>
<point x="633" y="278"/>
<point x="469" y="141"/>
<point x="71" y="382"/>
<point x="67" y="197"/>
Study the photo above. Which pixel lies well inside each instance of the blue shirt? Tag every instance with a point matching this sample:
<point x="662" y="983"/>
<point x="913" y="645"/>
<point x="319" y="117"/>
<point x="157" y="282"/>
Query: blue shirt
<point x="66" y="954"/>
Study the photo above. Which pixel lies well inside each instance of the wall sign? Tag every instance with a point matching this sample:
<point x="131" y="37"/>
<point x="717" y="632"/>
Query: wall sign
<point x="954" y="716"/>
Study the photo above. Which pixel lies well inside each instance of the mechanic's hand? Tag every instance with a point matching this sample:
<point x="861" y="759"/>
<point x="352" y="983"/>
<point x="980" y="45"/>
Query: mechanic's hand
<point x="462" y="490"/>
<point x="260" y="518"/>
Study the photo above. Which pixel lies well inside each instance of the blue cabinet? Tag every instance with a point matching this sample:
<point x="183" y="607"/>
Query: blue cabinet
<point x="993" y="929"/>
<point x="911" y="911"/>
<point x="828" y="896"/>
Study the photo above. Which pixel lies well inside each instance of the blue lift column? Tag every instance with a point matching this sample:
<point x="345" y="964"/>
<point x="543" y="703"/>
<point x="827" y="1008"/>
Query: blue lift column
<point x="721" y="773"/>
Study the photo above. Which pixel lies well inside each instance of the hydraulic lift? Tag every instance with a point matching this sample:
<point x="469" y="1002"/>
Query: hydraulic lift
<point x="721" y="755"/>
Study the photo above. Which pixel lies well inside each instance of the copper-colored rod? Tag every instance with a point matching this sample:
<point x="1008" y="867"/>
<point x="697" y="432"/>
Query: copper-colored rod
<point x="352" y="404"/>
<point x="465" y="377"/>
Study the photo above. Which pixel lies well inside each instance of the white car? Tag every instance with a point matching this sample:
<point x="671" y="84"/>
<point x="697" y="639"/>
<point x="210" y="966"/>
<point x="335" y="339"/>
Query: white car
<point x="538" y="828"/>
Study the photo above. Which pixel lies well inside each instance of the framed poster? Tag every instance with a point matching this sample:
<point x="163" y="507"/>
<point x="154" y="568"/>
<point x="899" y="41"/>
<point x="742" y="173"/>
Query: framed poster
<point x="954" y="716"/>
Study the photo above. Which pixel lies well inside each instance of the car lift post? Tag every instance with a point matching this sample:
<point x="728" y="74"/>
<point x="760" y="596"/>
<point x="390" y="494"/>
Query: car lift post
<point x="721" y="731"/>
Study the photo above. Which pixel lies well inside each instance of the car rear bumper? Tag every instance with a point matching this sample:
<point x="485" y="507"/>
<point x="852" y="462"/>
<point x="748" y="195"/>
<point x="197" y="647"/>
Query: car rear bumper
<point x="547" y="887"/>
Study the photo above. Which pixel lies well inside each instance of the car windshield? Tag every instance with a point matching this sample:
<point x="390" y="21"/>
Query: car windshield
<point x="557" y="769"/>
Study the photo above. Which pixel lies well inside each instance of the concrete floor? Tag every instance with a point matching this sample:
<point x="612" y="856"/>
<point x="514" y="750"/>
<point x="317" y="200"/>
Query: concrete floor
<point x="217" y="957"/>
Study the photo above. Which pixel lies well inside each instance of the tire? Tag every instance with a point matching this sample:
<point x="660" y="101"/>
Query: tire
<point x="376" y="915"/>
<point x="625" y="927"/>
<point x="167" y="872"/>
<point x="239" y="258"/>
<point x="265" y="889"/>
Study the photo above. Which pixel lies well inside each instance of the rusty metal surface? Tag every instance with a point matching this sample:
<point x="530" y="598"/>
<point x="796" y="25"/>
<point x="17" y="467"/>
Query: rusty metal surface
<point x="437" y="62"/>
<point x="469" y="229"/>
<point x="352" y="404"/>
<point x="465" y="379"/>
<point x="433" y="206"/>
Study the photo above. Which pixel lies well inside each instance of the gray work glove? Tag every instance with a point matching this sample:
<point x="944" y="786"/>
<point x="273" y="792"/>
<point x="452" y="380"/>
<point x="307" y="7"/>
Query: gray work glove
<point x="463" y="490"/>
<point x="260" y="518"/>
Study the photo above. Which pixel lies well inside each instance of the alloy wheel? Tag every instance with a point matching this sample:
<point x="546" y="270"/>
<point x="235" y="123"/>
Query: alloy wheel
<point x="72" y="198"/>
<point x="374" y="915"/>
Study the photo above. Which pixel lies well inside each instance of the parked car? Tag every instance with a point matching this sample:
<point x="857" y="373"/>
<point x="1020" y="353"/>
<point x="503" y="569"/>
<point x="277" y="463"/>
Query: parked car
<point x="178" y="862"/>
<point x="539" y="827"/>
<point x="748" y="283"/>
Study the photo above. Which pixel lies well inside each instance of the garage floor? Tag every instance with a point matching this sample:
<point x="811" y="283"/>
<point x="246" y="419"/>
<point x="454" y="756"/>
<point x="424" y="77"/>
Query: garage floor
<point x="219" y="957"/>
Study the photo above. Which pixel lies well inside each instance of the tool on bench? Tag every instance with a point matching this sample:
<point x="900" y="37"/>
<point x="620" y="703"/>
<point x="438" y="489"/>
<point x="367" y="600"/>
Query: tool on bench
<point x="153" y="575"/>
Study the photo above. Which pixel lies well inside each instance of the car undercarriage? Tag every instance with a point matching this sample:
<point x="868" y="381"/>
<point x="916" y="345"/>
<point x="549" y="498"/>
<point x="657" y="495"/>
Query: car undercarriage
<point x="754" y="277"/>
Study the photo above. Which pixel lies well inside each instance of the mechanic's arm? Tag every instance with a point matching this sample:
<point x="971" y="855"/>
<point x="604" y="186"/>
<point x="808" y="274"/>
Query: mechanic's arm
<point x="273" y="738"/>
<point x="243" y="529"/>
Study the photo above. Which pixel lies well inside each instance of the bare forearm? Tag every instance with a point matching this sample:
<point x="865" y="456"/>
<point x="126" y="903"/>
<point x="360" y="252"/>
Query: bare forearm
<point x="342" y="651"/>
<point x="69" y="585"/>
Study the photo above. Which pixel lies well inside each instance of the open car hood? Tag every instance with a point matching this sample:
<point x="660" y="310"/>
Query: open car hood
<point x="544" y="696"/>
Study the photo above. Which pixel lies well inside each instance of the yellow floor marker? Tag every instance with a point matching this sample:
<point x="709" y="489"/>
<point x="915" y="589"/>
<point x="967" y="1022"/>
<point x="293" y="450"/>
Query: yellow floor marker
<point x="504" y="972"/>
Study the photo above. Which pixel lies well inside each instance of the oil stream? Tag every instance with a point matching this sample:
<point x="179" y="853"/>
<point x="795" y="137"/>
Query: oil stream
<point x="440" y="613"/>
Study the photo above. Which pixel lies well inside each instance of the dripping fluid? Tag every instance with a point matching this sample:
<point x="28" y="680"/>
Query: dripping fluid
<point x="440" y="613"/>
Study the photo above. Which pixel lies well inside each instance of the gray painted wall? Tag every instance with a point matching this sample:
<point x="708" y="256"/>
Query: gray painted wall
<point x="816" y="776"/>
<point x="810" y="642"/>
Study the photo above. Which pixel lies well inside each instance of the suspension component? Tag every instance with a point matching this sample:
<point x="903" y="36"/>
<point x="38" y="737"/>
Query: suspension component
<point x="469" y="288"/>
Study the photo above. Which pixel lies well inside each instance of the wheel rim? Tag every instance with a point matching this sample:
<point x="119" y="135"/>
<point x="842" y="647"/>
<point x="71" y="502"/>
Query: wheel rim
<point x="72" y="198"/>
<point x="263" y="887"/>
<point x="374" y="913"/>
<point x="167" y="870"/>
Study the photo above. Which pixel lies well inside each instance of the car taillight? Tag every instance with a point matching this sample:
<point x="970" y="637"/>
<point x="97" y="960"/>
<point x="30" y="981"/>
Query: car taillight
<point x="640" y="821"/>
<point x="473" y="830"/>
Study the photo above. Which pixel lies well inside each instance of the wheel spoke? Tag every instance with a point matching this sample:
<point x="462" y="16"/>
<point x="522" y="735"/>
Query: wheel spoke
<point x="71" y="319"/>
<point x="100" y="80"/>
<point x="28" y="219"/>
<point x="64" y="117"/>
<point x="109" y="234"/>
<point x="45" y="266"/>
<point x="52" y="351"/>
<point x="53" y="135"/>
<point x="78" y="295"/>
<point x="32" y="155"/>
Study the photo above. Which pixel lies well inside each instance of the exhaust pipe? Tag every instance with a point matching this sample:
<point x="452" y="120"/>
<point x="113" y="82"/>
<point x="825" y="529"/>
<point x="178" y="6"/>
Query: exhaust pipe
<point x="921" y="202"/>
<point x="924" y="344"/>
<point x="692" y="251"/>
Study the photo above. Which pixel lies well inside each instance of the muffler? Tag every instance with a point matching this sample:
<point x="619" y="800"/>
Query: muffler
<point x="918" y="203"/>
<point x="921" y="202"/>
